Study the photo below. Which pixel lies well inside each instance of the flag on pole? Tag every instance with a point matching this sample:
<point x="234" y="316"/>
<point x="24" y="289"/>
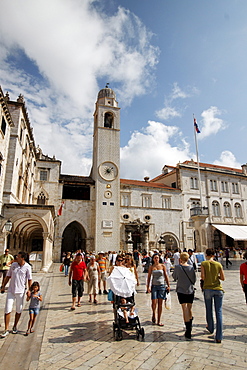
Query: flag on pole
<point x="196" y="126"/>
<point x="60" y="209"/>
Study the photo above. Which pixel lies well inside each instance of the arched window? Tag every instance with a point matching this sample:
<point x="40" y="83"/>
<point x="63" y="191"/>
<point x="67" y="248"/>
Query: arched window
<point x="41" y="198"/>
<point x="238" y="210"/>
<point x="108" y="120"/>
<point x="216" y="208"/>
<point x="227" y="209"/>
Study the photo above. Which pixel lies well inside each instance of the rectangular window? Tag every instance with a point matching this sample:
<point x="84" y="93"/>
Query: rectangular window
<point x="224" y="186"/>
<point x="79" y="192"/>
<point x="193" y="183"/>
<point x="235" y="188"/>
<point x="43" y="175"/>
<point x="213" y="185"/>
<point x="125" y="199"/>
<point x="146" y="201"/>
<point x="166" y="202"/>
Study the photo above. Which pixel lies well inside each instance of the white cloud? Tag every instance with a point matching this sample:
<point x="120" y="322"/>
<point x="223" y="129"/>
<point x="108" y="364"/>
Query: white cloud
<point x="148" y="151"/>
<point x="70" y="47"/>
<point x="167" y="113"/>
<point x="170" y="111"/>
<point x="177" y="93"/>
<point x="210" y="124"/>
<point x="227" y="159"/>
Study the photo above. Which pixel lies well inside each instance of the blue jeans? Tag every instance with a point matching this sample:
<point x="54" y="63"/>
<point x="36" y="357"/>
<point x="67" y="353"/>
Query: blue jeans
<point x="66" y="270"/>
<point x="217" y="296"/>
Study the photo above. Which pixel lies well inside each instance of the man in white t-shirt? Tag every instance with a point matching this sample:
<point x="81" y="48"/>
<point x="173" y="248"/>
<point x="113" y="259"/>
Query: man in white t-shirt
<point x="192" y="259"/>
<point x="113" y="258"/>
<point x="18" y="274"/>
<point x="176" y="257"/>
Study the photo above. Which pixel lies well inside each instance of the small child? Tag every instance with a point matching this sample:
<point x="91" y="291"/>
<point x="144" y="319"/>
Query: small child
<point x="126" y="311"/>
<point x="35" y="298"/>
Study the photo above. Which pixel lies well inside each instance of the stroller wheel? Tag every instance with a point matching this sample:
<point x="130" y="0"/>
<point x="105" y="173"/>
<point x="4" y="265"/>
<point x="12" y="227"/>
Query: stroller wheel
<point x="137" y="334"/>
<point x="118" y="335"/>
<point x="142" y="333"/>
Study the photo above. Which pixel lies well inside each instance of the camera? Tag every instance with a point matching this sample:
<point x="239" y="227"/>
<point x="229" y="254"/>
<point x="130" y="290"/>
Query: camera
<point x="4" y="264"/>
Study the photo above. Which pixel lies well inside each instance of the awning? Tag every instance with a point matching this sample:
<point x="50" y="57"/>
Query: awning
<point x="236" y="232"/>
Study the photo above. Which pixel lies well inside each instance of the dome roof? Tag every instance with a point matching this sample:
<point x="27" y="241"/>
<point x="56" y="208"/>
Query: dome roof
<point x="106" y="93"/>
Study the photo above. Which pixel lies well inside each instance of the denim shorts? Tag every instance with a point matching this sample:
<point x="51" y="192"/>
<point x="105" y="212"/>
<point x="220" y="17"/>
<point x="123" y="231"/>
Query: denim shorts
<point x="158" y="292"/>
<point x="35" y="311"/>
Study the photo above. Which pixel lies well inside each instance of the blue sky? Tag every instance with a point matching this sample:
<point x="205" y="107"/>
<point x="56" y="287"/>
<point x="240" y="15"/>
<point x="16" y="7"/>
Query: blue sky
<point x="165" y="59"/>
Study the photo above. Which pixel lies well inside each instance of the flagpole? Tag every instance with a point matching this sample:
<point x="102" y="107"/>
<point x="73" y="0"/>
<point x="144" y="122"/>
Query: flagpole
<point x="198" y="164"/>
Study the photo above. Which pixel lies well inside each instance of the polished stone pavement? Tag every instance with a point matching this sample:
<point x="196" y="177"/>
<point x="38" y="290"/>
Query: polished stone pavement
<point x="83" y="339"/>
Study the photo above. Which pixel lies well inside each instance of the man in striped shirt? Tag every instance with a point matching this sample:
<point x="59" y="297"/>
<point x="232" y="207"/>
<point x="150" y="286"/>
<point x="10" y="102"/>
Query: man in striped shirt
<point x="102" y="265"/>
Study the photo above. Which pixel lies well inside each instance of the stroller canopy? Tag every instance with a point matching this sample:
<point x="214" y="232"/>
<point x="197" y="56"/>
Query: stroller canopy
<point x="122" y="282"/>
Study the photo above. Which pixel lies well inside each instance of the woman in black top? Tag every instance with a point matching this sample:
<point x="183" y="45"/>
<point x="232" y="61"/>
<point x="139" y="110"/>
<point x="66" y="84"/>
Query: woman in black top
<point x="66" y="263"/>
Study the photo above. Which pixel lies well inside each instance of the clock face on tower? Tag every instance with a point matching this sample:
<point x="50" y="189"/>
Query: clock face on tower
<point x="108" y="171"/>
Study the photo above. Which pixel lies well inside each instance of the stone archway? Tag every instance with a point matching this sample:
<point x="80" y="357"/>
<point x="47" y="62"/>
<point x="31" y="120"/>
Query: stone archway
<point x="32" y="231"/>
<point x="74" y="238"/>
<point x="170" y="241"/>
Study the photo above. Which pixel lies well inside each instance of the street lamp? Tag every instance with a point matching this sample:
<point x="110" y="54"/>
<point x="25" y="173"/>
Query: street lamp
<point x="8" y="226"/>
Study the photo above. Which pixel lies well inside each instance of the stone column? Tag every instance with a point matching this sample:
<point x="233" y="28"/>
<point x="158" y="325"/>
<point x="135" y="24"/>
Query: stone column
<point x="145" y="240"/>
<point x="47" y="252"/>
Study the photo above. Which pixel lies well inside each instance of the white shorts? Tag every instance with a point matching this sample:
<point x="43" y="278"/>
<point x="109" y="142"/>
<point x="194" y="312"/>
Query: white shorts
<point x="18" y="297"/>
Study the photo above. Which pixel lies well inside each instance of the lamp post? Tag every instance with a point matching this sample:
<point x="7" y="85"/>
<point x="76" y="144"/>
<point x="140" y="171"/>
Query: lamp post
<point x="162" y="243"/>
<point x="8" y="226"/>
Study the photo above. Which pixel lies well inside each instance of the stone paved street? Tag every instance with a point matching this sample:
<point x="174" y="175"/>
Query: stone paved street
<point x="83" y="339"/>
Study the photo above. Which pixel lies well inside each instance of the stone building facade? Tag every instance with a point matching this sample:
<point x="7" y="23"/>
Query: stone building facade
<point x="51" y="213"/>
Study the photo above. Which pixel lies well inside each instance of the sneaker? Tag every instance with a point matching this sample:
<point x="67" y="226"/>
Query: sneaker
<point x="100" y="292"/>
<point x="105" y="292"/>
<point x="209" y="330"/>
<point x="14" y="330"/>
<point x="5" y="333"/>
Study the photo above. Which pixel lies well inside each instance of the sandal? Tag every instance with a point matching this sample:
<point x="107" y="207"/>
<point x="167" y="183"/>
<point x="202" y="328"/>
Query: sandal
<point x="95" y="301"/>
<point x="78" y="305"/>
<point x="31" y="331"/>
<point x="72" y="308"/>
<point x="160" y="324"/>
<point x="153" y="319"/>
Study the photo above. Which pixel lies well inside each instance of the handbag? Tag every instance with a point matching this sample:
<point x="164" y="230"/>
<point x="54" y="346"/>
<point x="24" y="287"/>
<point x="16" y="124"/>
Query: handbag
<point x="168" y="301"/>
<point x="201" y="284"/>
<point x="61" y="268"/>
<point x="110" y="295"/>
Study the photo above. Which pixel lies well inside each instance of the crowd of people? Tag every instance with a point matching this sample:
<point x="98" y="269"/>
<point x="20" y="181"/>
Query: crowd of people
<point x="81" y="267"/>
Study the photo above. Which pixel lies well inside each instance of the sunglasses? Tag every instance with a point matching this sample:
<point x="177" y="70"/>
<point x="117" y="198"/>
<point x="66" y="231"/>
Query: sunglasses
<point x="119" y="260"/>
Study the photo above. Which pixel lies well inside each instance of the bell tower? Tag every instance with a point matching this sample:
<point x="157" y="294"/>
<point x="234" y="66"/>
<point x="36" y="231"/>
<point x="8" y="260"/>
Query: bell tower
<point x="106" y="171"/>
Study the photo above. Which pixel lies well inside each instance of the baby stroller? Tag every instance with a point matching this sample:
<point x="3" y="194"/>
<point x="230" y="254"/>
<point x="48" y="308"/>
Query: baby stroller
<point x="122" y="283"/>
